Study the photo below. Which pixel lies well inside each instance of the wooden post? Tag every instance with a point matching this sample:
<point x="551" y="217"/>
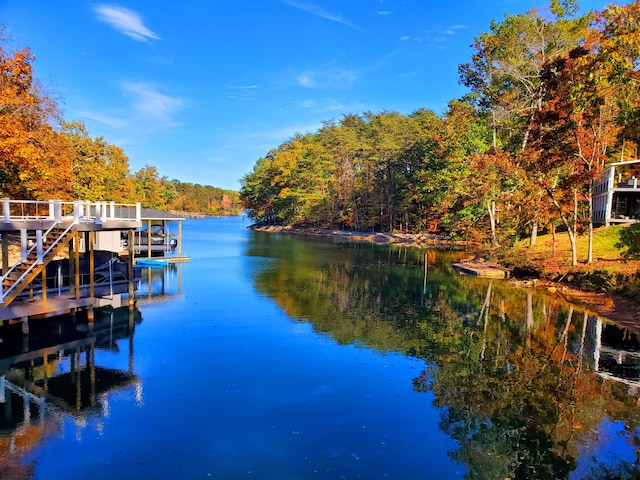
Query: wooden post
<point x="44" y="285"/>
<point x="45" y="365"/>
<point x="23" y="245"/>
<point x="78" y="379"/>
<point x="130" y="267"/>
<point x="92" y="266"/>
<point x="179" y="238"/>
<point x="132" y="324"/>
<point x="149" y="238"/>
<point x="91" y="363"/>
<point x="179" y="278"/>
<point x="25" y="334"/>
<point x="72" y="266"/>
<point x="165" y="241"/>
<point x="76" y="260"/>
<point x="6" y="210"/>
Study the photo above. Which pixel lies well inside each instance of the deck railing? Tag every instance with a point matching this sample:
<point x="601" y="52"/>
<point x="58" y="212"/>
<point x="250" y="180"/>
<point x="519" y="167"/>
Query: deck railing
<point x="77" y="212"/>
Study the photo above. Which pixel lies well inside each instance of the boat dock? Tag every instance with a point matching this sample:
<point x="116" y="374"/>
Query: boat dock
<point x="487" y="270"/>
<point x="59" y="257"/>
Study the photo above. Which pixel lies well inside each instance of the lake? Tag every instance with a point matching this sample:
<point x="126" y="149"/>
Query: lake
<point x="274" y="356"/>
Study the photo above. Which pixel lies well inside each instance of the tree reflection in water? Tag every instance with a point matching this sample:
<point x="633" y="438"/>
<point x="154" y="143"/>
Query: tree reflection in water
<point x="526" y="383"/>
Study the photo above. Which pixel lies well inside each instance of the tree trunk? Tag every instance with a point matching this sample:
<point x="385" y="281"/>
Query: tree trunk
<point x="534" y="233"/>
<point x="491" y="208"/>
<point x="570" y="228"/>
<point x="590" y="246"/>
<point x="494" y="129"/>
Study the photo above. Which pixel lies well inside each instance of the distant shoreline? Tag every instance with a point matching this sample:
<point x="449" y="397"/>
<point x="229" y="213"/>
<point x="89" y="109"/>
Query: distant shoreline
<point x="185" y="214"/>
<point x="405" y="239"/>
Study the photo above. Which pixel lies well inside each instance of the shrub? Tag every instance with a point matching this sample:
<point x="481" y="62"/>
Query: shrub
<point x="630" y="239"/>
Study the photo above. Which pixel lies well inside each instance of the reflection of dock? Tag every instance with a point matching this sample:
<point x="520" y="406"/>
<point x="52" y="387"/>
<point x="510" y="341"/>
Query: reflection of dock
<point x="159" y="284"/>
<point x="488" y="270"/>
<point x="56" y="359"/>
<point x="616" y="352"/>
<point x="54" y="305"/>
<point x="52" y="370"/>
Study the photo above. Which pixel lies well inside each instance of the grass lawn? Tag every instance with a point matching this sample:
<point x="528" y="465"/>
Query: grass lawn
<point x="605" y="255"/>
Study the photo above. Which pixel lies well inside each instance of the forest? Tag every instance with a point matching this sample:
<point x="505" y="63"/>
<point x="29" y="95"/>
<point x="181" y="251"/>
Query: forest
<point x="553" y="98"/>
<point x="43" y="156"/>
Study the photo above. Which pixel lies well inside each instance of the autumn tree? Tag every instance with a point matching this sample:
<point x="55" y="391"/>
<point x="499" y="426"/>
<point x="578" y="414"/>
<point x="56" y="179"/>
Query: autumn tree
<point x="35" y="157"/>
<point x="100" y="169"/>
<point x="149" y="187"/>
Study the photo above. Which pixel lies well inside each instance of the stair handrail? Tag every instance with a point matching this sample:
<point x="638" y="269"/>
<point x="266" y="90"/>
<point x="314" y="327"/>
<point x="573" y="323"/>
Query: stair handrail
<point x="4" y="293"/>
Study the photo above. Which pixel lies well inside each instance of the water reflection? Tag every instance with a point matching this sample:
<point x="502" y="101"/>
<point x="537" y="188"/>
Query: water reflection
<point x="512" y="384"/>
<point x="50" y="371"/>
<point x="160" y="283"/>
<point x="526" y="383"/>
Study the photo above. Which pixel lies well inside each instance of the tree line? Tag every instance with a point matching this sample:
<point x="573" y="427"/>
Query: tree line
<point x="552" y="99"/>
<point x="44" y="157"/>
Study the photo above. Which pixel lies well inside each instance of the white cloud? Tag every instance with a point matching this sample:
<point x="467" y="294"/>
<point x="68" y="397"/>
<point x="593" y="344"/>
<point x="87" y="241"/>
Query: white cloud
<point x="328" y="78"/>
<point x="383" y="12"/>
<point x="125" y="21"/>
<point x="319" y="12"/>
<point x="149" y="102"/>
<point x="103" y="119"/>
<point x="454" y="29"/>
<point x="307" y="103"/>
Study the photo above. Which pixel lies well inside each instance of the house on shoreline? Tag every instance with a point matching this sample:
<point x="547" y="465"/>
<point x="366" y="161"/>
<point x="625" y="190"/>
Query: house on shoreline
<point x="616" y="194"/>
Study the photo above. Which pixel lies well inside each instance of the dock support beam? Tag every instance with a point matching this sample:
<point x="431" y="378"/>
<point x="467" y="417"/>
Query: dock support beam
<point x="72" y="267"/>
<point x="76" y="260"/>
<point x="148" y="238"/>
<point x="92" y="265"/>
<point x="43" y="277"/>
<point x="130" y="268"/>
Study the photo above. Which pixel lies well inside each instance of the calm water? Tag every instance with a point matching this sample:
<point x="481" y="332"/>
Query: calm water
<point x="270" y="356"/>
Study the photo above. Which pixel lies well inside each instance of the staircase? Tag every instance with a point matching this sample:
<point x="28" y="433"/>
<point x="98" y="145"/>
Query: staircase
<point x="21" y="274"/>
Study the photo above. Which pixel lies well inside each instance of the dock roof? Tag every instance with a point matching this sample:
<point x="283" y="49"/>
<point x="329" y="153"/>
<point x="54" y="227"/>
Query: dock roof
<point x="155" y="214"/>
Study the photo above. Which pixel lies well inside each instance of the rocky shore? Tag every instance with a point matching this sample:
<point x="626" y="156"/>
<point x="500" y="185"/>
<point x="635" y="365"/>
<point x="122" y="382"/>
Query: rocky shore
<point x="415" y="240"/>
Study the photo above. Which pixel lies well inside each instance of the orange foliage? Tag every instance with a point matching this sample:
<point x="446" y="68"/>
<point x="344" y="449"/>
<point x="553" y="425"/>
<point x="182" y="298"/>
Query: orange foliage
<point x="35" y="158"/>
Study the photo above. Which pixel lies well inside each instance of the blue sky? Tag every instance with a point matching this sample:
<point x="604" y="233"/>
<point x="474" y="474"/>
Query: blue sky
<point x="203" y="88"/>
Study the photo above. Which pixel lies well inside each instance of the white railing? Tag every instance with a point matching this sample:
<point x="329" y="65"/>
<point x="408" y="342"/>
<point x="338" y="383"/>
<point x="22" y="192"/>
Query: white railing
<point x="77" y="212"/>
<point x="56" y="211"/>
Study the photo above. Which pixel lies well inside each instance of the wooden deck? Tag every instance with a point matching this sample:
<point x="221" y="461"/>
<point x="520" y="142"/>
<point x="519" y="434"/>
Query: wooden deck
<point x="488" y="270"/>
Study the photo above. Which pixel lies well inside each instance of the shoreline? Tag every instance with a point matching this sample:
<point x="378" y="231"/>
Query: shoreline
<point x="405" y="239"/>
